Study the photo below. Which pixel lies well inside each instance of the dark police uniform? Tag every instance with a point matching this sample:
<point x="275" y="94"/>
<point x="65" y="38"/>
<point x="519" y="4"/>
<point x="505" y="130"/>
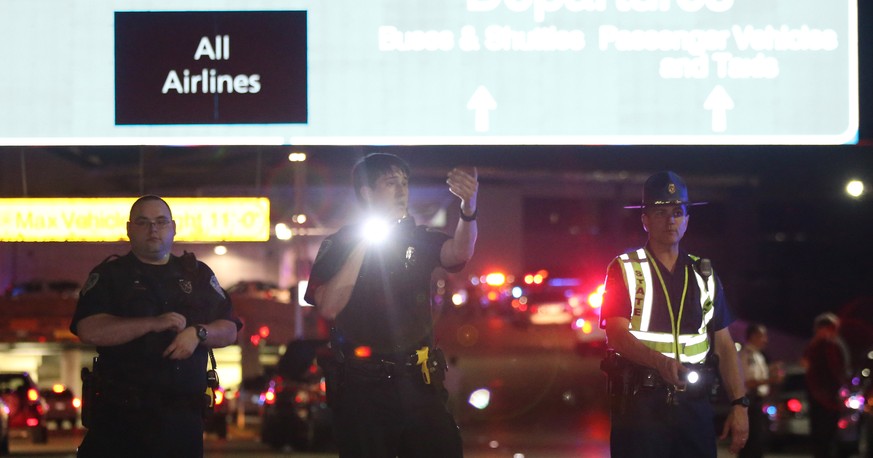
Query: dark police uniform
<point x="644" y="425"/>
<point x="149" y="405"/>
<point x="386" y="405"/>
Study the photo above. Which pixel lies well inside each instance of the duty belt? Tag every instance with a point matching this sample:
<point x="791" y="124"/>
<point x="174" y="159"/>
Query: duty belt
<point x="394" y="364"/>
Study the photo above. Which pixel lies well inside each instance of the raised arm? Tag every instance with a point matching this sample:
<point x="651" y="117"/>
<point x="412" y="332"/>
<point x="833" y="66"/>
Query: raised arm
<point x="459" y="249"/>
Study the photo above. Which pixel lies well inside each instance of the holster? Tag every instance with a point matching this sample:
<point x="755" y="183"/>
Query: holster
<point x="437" y="366"/>
<point x="331" y="366"/>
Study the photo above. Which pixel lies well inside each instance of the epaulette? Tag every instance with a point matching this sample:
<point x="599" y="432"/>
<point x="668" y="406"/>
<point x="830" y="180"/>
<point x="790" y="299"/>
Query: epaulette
<point x="111" y="257"/>
<point x="189" y="262"/>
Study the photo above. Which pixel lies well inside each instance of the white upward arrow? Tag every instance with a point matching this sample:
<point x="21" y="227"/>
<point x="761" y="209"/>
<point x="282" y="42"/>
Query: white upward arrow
<point x="718" y="101"/>
<point x="482" y="103"/>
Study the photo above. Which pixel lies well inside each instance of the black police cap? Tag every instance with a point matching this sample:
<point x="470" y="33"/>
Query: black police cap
<point x="665" y="188"/>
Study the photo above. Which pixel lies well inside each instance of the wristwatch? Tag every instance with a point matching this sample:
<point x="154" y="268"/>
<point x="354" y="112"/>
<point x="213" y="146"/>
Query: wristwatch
<point x="201" y="333"/>
<point x="742" y="401"/>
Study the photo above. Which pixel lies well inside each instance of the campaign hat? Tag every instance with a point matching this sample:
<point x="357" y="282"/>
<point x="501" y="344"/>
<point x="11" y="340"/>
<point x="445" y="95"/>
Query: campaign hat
<point x="665" y="188"/>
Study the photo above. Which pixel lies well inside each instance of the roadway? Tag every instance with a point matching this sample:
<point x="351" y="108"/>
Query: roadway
<point x="545" y="399"/>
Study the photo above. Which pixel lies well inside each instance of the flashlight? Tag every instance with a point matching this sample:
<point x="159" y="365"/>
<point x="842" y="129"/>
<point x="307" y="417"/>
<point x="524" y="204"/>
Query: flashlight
<point x="375" y="230"/>
<point x="692" y="377"/>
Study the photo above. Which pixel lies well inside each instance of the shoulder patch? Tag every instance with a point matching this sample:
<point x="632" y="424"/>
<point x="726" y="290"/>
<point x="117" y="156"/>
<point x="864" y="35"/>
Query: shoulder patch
<point x="92" y="280"/>
<point x="217" y="287"/>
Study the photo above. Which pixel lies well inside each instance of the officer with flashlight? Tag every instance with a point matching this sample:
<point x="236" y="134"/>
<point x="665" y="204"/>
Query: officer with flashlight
<point x="666" y="320"/>
<point x="373" y="280"/>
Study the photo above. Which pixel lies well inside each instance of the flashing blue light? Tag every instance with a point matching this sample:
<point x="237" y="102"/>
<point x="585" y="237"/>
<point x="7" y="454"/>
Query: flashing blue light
<point x="517" y="292"/>
<point x="559" y="282"/>
<point x="771" y="410"/>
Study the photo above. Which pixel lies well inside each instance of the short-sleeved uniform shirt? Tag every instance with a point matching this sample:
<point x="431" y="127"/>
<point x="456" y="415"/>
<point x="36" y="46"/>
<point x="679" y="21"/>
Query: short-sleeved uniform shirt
<point x="390" y="306"/>
<point x="617" y="301"/>
<point x="127" y="287"/>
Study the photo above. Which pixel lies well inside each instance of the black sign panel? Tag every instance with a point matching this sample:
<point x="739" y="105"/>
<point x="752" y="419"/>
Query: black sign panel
<point x="210" y="67"/>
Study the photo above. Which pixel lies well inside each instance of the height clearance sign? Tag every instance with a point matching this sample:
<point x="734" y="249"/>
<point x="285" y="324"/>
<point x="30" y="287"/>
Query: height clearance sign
<point x="419" y="72"/>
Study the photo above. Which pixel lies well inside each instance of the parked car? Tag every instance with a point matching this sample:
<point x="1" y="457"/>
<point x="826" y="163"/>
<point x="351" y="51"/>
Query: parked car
<point x="295" y="410"/>
<point x="590" y="337"/>
<point x="59" y="288"/>
<point x="261" y="290"/>
<point x="4" y="428"/>
<point x="788" y="412"/>
<point x="549" y="307"/>
<point x="216" y="419"/>
<point x="27" y="408"/>
<point x="249" y="395"/>
<point x="63" y="406"/>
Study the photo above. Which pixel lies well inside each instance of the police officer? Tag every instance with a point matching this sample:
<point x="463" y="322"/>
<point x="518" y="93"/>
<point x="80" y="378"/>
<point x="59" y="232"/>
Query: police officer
<point x="665" y="316"/>
<point x="759" y="376"/>
<point x="388" y="400"/>
<point x="153" y="317"/>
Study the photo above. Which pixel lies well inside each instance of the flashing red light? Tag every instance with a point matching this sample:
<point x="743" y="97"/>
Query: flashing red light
<point x="264" y="331"/>
<point x="495" y="279"/>
<point x="255" y="339"/>
<point x="363" y="352"/>
<point x="58" y="388"/>
<point x="32" y="395"/>
<point x="32" y="421"/>
<point x="843" y="423"/>
<point x="794" y="405"/>
<point x="595" y="299"/>
<point x="77" y="403"/>
<point x="270" y="397"/>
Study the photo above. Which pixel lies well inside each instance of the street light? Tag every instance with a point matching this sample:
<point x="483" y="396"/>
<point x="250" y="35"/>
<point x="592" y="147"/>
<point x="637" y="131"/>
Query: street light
<point x="855" y="188"/>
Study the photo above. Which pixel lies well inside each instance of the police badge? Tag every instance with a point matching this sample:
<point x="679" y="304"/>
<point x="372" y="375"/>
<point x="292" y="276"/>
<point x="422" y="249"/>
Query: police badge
<point x="185" y="285"/>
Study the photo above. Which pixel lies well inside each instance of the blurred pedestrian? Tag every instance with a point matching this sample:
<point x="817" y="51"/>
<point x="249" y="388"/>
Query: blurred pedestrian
<point x="759" y="376"/>
<point x="827" y="364"/>
<point x="386" y="388"/>
<point x="154" y="318"/>
<point x="666" y="319"/>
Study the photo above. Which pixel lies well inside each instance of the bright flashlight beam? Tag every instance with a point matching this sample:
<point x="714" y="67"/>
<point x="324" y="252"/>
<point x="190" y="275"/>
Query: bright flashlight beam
<point x="375" y="230"/>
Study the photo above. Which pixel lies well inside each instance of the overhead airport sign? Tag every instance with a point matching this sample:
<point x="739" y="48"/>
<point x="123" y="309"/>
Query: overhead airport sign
<point x="346" y="72"/>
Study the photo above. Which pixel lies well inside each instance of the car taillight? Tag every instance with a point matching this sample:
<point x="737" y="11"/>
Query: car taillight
<point x="32" y="421"/>
<point x="855" y="402"/>
<point x="32" y="395"/>
<point x="794" y="405"/>
<point x="270" y="397"/>
<point x="302" y="397"/>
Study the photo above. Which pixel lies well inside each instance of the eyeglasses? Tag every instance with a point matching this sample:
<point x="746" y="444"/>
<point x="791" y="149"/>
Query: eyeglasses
<point x="159" y="223"/>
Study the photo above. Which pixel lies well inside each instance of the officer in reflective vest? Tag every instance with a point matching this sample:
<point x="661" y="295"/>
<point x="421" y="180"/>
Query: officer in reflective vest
<point x="666" y="317"/>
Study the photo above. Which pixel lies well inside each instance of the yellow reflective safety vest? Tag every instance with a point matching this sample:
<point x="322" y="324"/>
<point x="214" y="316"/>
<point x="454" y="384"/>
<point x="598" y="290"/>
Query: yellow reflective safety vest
<point x="688" y="348"/>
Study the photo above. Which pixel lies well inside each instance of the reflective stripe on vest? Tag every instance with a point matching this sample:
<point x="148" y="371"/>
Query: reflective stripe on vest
<point x="692" y="347"/>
